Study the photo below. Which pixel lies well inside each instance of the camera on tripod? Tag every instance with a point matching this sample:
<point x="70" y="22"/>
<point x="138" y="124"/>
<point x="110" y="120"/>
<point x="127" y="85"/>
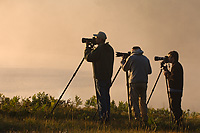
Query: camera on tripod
<point x="91" y="41"/>
<point x="124" y="55"/>
<point x="164" y="59"/>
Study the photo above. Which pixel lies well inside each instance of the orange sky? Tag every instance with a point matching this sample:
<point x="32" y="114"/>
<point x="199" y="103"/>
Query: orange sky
<point x="44" y="37"/>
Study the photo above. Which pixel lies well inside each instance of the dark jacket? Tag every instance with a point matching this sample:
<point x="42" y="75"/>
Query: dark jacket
<point x="102" y="59"/>
<point x="175" y="77"/>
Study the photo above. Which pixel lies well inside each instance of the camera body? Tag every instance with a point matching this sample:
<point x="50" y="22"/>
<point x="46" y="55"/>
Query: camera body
<point x="125" y="55"/>
<point x="164" y="59"/>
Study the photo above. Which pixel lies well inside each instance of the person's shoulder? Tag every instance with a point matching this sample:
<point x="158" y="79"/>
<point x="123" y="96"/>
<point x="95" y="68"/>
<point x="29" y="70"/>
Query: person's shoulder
<point x="145" y="57"/>
<point x="109" y="46"/>
<point x="133" y="56"/>
<point x="177" y="65"/>
<point x="180" y="65"/>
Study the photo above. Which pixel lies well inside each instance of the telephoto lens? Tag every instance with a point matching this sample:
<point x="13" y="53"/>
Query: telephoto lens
<point x="165" y="59"/>
<point x="91" y="40"/>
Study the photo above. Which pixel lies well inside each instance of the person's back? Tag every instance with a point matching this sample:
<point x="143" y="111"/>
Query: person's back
<point x="176" y="77"/>
<point x="103" y="64"/>
<point x="139" y="69"/>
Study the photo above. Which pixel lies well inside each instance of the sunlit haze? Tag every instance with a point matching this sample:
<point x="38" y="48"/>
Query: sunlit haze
<point x="41" y="44"/>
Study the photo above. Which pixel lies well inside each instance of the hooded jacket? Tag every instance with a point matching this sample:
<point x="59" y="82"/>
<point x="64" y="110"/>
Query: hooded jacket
<point x="139" y="67"/>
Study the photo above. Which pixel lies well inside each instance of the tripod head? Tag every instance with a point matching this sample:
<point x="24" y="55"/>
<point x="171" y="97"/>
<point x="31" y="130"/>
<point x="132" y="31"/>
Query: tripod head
<point x="163" y="65"/>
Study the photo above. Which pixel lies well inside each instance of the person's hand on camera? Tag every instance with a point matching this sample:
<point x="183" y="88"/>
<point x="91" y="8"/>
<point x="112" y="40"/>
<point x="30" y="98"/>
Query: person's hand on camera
<point x="87" y="43"/>
<point x="123" y="60"/>
<point x="124" y="57"/>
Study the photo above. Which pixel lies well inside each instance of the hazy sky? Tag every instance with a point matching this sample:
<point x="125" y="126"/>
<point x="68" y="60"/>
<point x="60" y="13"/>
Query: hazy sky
<point x="41" y="44"/>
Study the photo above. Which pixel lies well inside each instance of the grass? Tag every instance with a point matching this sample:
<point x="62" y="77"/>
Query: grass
<point x="30" y="116"/>
<point x="117" y="124"/>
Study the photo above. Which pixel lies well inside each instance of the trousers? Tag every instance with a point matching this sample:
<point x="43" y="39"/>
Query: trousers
<point x="138" y="100"/>
<point x="103" y="97"/>
<point x="175" y="101"/>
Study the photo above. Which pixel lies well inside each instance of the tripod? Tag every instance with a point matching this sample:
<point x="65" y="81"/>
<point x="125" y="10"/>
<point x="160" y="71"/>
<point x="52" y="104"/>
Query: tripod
<point x="154" y="85"/>
<point x="163" y="67"/>
<point x="128" y="93"/>
<point x="127" y="84"/>
<point x="67" y="85"/>
<point x="73" y="78"/>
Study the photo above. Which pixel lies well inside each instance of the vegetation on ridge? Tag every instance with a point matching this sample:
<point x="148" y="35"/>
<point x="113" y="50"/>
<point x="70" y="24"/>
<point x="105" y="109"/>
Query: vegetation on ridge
<point x="33" y="114"/>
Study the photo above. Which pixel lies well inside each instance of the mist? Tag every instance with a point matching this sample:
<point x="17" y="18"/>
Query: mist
<point x="41" y="44"/>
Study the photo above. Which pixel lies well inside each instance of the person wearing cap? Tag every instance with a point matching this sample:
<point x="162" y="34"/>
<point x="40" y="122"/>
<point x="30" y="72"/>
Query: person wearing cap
<point x="139" y="67"/>
<point x="102" y="58"/>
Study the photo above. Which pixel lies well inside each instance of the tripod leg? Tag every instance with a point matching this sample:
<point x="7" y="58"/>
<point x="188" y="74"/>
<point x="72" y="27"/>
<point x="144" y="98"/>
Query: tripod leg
<point x="170" y="106"/>
<point x="154" y="85"/>
<point x="68" y="85"/>
<point x="129" y="104"/>
<point x="115" y="76"/>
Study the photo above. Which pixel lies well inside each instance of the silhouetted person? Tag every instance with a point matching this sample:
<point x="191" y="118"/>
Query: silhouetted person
<point x="175" y="80"/>
<point x="139" y="67"/>
<point x="102" y="59"/>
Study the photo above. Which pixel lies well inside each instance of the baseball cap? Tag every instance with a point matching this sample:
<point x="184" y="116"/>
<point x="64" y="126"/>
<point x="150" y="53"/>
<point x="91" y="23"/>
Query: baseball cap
<point x="101" y="35"/>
